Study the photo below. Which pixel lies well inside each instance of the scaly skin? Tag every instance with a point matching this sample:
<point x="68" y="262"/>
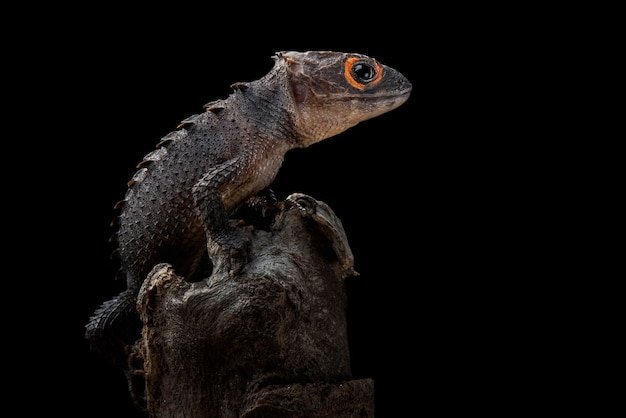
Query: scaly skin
<point x="184" y="192"/>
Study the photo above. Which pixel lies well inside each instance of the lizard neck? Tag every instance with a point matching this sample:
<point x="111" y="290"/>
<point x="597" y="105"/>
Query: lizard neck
<point x="268" y="109"/>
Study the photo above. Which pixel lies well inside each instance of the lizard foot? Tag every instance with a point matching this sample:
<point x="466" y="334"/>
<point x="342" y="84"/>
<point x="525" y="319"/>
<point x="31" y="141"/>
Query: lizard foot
<point x="135" y="378"/>
<point x="327" y="223"/>
<point x="305" y="203"/>
<point x="263" y="199"/>
<point x="259" y="210"/>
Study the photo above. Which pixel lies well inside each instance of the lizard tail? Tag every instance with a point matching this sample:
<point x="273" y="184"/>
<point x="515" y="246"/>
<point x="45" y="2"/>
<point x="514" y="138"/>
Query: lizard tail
<point x="113" y="326"/>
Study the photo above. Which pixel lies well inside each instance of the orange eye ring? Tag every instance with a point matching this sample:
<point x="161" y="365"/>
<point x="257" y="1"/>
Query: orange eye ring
<point x="349" y="72"/>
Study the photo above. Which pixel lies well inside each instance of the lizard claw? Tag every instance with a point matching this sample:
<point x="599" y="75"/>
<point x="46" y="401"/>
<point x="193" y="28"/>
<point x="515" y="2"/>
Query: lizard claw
<point x="327" y="223"/>
<point x="302" y="202"/>
<point x="264" y="202"/>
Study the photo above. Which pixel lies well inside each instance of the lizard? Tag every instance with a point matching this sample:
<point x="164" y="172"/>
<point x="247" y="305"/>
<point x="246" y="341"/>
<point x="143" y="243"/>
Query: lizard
<point x="184" y="192"/>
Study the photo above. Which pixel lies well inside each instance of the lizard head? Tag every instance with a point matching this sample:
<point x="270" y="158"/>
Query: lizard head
<point x="333" y="91"/>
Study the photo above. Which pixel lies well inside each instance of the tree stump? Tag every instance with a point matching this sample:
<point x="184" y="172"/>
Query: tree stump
<point x="262" y="338"/>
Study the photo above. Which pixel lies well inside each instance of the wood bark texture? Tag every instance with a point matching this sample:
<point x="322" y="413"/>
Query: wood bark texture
<point x="260" y="337"/>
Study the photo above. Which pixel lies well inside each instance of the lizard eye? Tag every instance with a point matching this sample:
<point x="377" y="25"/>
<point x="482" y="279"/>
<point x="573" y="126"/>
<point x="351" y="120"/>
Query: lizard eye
<point x="363" y="72"/>
<point x="360" y="73"/>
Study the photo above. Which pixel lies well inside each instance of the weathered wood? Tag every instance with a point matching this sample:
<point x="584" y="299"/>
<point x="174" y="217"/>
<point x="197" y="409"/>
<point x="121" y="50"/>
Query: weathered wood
<point x="267" y="339"/>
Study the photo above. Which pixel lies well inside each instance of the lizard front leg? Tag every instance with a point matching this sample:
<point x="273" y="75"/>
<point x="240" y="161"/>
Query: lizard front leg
<point x="226" y="242"/>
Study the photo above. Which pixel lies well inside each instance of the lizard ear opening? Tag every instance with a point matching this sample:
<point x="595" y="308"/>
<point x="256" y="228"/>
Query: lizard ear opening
<point x="299" y="92"/>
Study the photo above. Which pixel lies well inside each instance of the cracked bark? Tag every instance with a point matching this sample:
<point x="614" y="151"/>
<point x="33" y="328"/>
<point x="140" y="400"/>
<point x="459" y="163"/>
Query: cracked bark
<point x="261" y="337"/>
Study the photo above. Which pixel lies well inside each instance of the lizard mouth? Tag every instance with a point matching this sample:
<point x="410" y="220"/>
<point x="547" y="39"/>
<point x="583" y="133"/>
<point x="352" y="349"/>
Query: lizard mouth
<point x="392" y="100"/>
<point x="375" y="97"/>
<point x="402" y="94"/>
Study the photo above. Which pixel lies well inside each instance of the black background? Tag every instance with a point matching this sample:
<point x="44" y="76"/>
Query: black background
<point x="433" y="195"/>
<point x="372" y="176"/>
